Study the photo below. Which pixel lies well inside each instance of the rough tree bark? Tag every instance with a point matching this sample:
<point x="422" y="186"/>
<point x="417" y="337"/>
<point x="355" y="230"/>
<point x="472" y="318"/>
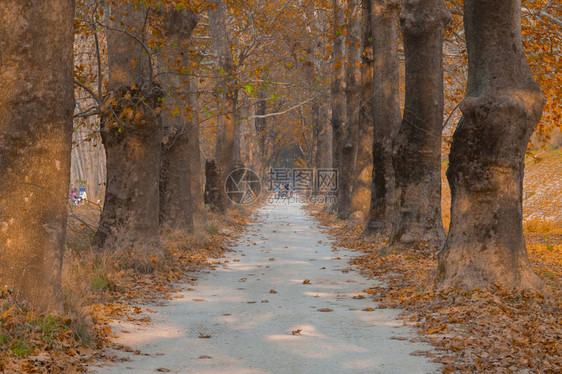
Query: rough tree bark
<point x="227" y="91"/>
<point x="417" y="147"/>
<point x="177" y="203"/>
<point x="386" y="114"/>
<point x="131" y="133"/>
<point x="486" y="245"/>
<point x="338" y="88"/>
<point x="36" y="108"/>
<point x="361" y="196"/>
<point x="353" y="99"/>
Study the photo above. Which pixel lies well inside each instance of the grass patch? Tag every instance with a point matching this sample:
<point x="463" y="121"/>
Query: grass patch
<point x="541" y="226"/>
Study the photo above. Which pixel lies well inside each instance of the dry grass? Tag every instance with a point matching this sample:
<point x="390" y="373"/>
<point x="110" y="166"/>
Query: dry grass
<point x="541" y="226"/>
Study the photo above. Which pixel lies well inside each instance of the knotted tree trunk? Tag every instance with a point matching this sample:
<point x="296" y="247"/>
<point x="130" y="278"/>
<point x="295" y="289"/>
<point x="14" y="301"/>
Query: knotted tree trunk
<point x="486" y="245"/>
<point x="131" y="133"/>
<point x="177" y="205"/>
<point x="386" y="113"/>
<point x="36" y="108"/>
<point x="417" y="147"/>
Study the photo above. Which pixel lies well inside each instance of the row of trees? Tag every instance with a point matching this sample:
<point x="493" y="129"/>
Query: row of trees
<point x="314" y="83"/>
<point x="137" y="68"/>
<point x="502" y="108"/>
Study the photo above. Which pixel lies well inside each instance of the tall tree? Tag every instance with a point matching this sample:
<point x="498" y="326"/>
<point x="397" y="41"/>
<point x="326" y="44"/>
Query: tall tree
<point x="338" y="87"/>
<point x="361" y="195"/>
<point x="131" y="133"/>
<point x="417" y="147"/>
<point x="353" y="97"/>
<point x="386" y="113"/>
<point x="260" y="123"/>
<point x="36" y="109"/>
<point x="195" y="160"/>
<point x="503" y="105"/>
<point x="177" y="203"/>
<point x="227" y="94"/>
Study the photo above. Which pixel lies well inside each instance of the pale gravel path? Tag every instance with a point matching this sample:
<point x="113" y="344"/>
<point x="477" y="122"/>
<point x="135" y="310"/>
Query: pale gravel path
<point x="256" y="337"/>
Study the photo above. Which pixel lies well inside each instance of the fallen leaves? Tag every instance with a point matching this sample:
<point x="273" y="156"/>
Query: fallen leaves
<point x="296" y="332"/>
<point x="204" y="336"/>
<point x="272" y="291"/>
<point x="306" y="281"/>
<point x="478" y="331"/>
<point x="324" y="310"/>
<point x="56" y="344"/>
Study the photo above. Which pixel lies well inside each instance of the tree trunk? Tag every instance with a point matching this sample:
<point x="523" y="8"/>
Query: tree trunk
<point x="417" y="147"/>
<point x="227" y="92"/>
<point x="177" y="205"/>
<point x="131" y="133"/>
<point x="486" y="245"/>
<point x="213" y="175"/>
<point x="338" y="88"/>
<point x="260" y="123"/>
<point x="36" y="108"/>
<point x="322" y="153"/>
<point x="353" y="98"/>
<point x="386" y="114"/>
<point x="361" y="195"/>
<point x="195" y="163"/>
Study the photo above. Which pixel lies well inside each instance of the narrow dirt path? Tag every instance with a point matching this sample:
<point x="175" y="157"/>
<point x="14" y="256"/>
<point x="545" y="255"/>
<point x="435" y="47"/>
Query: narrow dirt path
<point x="255" y="315"/>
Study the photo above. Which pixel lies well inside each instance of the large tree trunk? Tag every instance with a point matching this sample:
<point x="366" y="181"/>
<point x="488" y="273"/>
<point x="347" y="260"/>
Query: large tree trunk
<point x="36" y="108"/>
<point x="353" y="99"/>
<point x="386" y="114"/>
<point x="361" y="196"/>
<point x="338" y="88"/>
<point x="177" y="205"/>
<point x="131" y="133"/>
<point x="486" y="245"/>
<point x="417" y="147"/>
<point x="227" y="92"/>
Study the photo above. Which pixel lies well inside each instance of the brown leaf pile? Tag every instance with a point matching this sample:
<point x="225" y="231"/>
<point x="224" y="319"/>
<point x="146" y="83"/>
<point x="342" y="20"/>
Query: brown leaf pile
<point x="478" y="331"/>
